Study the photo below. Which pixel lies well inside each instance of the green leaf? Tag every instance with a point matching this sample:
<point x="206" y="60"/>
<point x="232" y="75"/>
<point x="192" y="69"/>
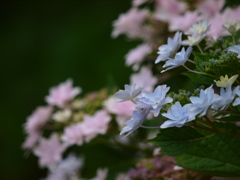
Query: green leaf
<point x="175" y="141"/>
<point x="200" y="59"/>
<point x="218" y="155"/>
<point x="199" y="78"/>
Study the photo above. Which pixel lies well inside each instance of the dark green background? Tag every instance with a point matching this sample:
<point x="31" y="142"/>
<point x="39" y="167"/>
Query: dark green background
<point x="43" y="44"/>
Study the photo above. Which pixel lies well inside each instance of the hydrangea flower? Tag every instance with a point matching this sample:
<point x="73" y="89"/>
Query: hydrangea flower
<point x="73" y="134"/>
<point x="136" y="56"/>
<point x="167" y="10"/>
<point x="180" y="59"/>
<point x="177" y="115"/>
<point x="62" y="94"/>
<point x="123" y="110"/>
<point x="62" y="116"/>
<point x="38" y="118"/>
<point x="196" y="33"/>
<point x="210" y="8"/>
<point x="144" y="79"/>
<point x="183" y="22"/>
<point x="101" y="174"/>
<point x="135" y="122"/>
<point x="49" y="151"/>
<point x="131" y="24"/>
<point x="237" y="100"/>
<point x="65" y="169"/>
<point x="235" y="49"/>
<point x="128" y="94"/>
<point x="168" y="50"/>
<point x="94" y="125"/>
<point x="154" y="101"/>
<point x="202" y="103"/>
<point x="232" y="28"/>
<point x="225" y="81"/>
<point x="226" y="97"/>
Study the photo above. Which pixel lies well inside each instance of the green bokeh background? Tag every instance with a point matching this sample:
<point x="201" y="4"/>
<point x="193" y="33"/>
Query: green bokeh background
<point x="42" y="44"/>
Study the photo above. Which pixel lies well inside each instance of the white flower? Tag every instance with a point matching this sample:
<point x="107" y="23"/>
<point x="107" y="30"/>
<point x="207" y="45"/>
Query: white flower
<point x="177" y="115"/>
<point x="128" y="94"/>
<point x="235" y="49"/>
<point x="196" y="33"/>
<point x="232" y="27"/>
<point x="180" y="59"/>
<point x="202" y="103"/>
<point x="135" y="122"/>
<point x="169" y="50"/>
<point x="237" y="100"/>
<point x="225" y="81"/>
<point x="154" y="101"/>
<point x="226" y="97"/>
<point x="62" y="116"/>
<point x="199" y="28"/>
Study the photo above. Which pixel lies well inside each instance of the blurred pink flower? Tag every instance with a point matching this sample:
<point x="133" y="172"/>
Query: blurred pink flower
<point x="166" y="10"/>
<point x="96" y="124"/>
<point x="183" y="22"/>
<point x="123" y="110"/>
<point x="131" y="24"/>
<point x="38" y="118"/>
<point x="31" y="139"/>
<point x="209" y="8"/>
<point x="144" y="79"/>
<point x="49" y="151"/>
<point x="122" y="176"/>
<point x="138" y="2"/>
<point x="34" y="124"/>
<point x="119" y="108"/>
<point x="216" y="30"/>
<point x="62" y="94"/>
<point x="137" y="55"/>
<point x="101" y="174"/>
<point x="73" y="134"/>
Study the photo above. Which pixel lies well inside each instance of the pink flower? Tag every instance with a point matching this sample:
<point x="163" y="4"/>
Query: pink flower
<point x="34" y="124"/>
<point x="123" y="110"/>
<point x="49" y="151"/>
<point x="209" y="8"/>
<point x="131" y="24"/>
<point x="38" y="118"/>
<point x="137" y="55"/>
<point x="166" y="10"/>
<point x="32" y="139"/>
<point x="96" y="124"/>
<point x="73" y="134"/>
<point x="183" y="22"/>
<point x="62" y="94"/>
<point x="101" y="174"/>
<point x="144" y="79"/>
<point x="216" y="30"/>
<point x="138" y="2"/>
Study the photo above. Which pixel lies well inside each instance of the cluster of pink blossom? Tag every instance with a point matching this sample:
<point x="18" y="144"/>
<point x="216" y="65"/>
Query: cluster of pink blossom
<point x="60" y="110"/>
<point x="148" y="25"/>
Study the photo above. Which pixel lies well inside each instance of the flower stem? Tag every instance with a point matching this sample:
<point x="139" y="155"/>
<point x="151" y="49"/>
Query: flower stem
<point x="211" y="123"/>
<point x="150" y="127"/>
<point x="200" y="49"/>
<point x="226" y="111"/>
<point x="193" y="70"/>
<point x="191" y="61"/>
<point x="233" y="38"/>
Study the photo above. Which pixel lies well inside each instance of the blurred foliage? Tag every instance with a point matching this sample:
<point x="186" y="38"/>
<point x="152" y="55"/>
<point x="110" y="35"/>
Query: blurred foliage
<point x="43" y="44"/>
